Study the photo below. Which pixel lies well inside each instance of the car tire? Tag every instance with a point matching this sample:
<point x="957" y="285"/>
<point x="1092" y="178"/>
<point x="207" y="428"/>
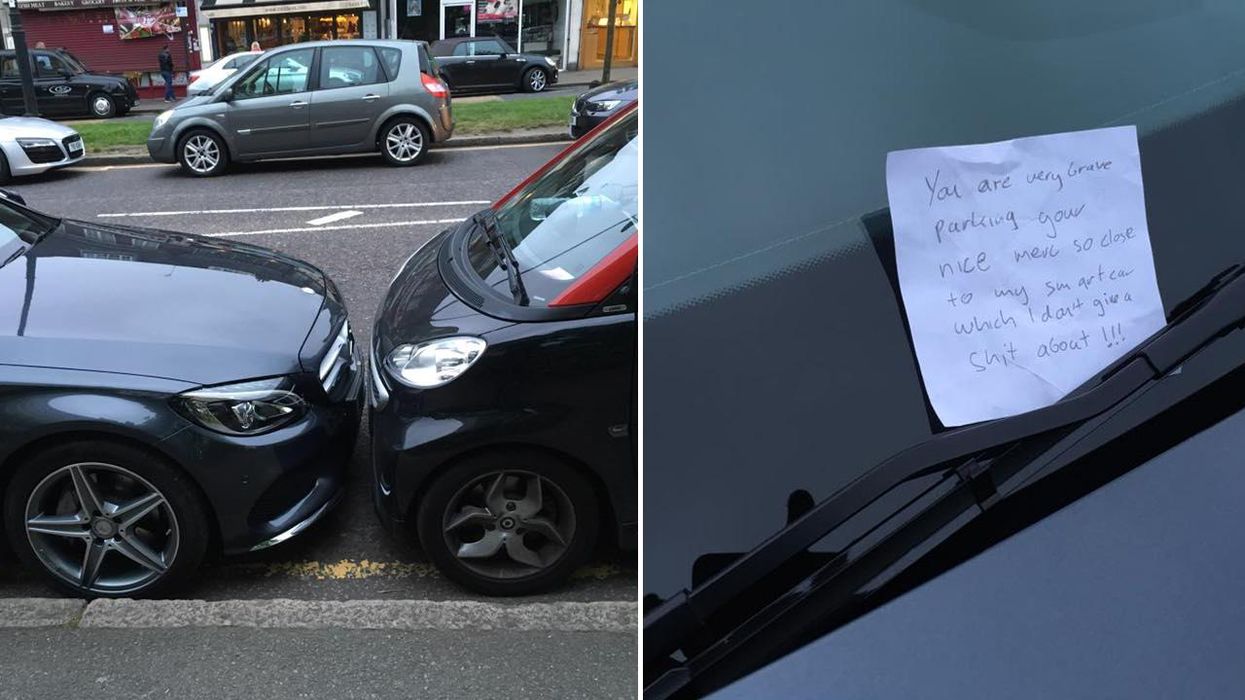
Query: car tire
<point x="202" y="153"/>
<point x="101" y="106"/>
<point x="399" y="136"/>
<point x="5" y="174"/>
<point x="455" y="518"/>
<point x="535" y="80"/>
<point x="166" y="525"/>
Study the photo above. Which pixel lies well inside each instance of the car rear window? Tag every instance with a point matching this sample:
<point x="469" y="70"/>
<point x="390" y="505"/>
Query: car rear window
<point x="570" y="218"/>
<point x="392" y="59"/>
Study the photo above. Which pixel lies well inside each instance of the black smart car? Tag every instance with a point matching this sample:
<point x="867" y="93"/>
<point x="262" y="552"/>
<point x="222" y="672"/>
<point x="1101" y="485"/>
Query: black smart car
<point x="163" y="396"/>
<point x="504" y="375"/>
<point x="471" y="64"/>
<point x="64" y="87"/>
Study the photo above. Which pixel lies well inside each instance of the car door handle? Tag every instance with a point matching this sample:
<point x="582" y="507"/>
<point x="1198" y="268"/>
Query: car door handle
<point x="470" y="62"/>
<point x="371" y="98"/>
<point x="298" y="104"/>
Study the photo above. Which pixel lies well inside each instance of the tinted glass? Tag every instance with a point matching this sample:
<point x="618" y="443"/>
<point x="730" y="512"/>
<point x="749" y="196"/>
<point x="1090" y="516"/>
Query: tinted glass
<point x="48" y="66"/>
<point x="8" y="67"/>
<point x="572" y="216"/>
<point x="487" y="48"/>
<point x="393" y="61"/>
<point x="280" y="75"/>
<point x="463" y="49"/>
<point x="346" y="66"/>
<point x="767" y="236"/>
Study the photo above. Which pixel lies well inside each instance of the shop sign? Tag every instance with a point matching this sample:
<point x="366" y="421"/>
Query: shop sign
<point x="67" y="4"/>
<point x="496" y="10"/>
<point x="146" y="21"/>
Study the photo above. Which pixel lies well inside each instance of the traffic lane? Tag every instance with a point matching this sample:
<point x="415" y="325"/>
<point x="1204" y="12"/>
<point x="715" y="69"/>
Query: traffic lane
<point x="328" y="663"/>
<point x="446" y="175"/>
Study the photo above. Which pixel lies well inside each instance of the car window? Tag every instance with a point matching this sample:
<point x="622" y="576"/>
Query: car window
<point x="487" y="48"/>
<point x="393" y="61"/>
<point x="347" y="66"/>
<point x="463" y="48"/>
<point x="8" y="67"/>
<point x="571" y="217"/>
<point x="279" y="75"/>
<point x="240" y="62"/>
<point x="48" y="66"/>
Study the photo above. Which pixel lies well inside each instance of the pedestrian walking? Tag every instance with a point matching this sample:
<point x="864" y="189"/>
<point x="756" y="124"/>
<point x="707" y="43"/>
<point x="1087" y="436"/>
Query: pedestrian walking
<point x="166" y="72"/>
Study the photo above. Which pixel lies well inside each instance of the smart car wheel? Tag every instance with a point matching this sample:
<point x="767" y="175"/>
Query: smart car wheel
<point x="404" y="141"/>
<point x="202" y="154"/>
<point x="101" y="519"/>
<point x="102" y="105"/>
<point x="535" y="80"/>
<point x="509" y="523"/>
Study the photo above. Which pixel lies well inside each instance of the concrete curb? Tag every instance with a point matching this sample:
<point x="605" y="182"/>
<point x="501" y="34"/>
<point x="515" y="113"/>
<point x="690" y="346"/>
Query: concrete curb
<point x="568" y="616"/>
<point x="140" y="156"/>
<point x="39" y="612"/>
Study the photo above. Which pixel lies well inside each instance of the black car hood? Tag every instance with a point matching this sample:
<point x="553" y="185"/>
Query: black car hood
<point x="625" y="90"/>
<point x="99" y="79"/>
<point x="140" y="301"/>
<point x="419" y="306"/>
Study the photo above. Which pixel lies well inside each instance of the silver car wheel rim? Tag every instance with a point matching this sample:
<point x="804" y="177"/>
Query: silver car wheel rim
<point x="202" y="154"/>
<point x="102" y="105"/>
<point x="404" y="142"/>
<point x="538" y="80"/>
<point x="101" y="528"/>
<point x="509" y="524"/>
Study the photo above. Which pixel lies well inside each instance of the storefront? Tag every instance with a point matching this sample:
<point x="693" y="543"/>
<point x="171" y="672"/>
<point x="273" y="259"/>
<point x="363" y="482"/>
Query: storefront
<point x="626" y="34"/>
<point x="118" y="36"/>
<point x="236" y="24"/>
<point x="534" y="26"/>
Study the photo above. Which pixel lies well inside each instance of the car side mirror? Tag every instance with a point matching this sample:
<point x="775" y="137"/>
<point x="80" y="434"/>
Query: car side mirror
<point x="226" y="95"/>
<point x="66" y="74"/>
<point x="12" y="196"/>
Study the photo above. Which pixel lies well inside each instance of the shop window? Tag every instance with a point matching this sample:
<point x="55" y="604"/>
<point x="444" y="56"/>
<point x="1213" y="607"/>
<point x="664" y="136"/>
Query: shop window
<point x="295" y="30"/>
<point x="234" y="36"/>
<point x="347" y="66"/>
<point x="266" y="33"/>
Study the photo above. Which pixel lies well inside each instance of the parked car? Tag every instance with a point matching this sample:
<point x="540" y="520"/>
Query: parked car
<point x="601" y="103"/>
<point x="203" y="81"/>
<point x="503" y="381"/>
<point x="165" y="396"/>
<point x="471" y="64"/>
<point x="316" y="98"/>
<point x="29" y="145"/>
<point x="64" y="87"/>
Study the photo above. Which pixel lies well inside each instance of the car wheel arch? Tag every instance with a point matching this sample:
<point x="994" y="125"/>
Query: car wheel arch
<point x="607" y="517"/>
<point x="198" y="124"/>
<point x="47" y="440"/>
<point x="402" y="111"/>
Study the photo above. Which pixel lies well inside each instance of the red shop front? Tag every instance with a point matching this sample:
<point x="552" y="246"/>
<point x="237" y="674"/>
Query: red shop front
<point x="118" y="36"/>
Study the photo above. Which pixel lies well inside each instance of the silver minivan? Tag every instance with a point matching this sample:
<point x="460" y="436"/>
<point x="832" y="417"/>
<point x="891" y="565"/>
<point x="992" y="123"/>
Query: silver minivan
<point x="314" y="98"/>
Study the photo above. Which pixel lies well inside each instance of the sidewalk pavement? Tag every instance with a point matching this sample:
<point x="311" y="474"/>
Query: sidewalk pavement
<point x="567" y="78"/>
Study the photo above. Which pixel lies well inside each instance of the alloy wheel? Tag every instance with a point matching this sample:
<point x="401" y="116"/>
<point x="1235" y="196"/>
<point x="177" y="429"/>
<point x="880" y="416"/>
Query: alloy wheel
<point x="102" y="106"/>
<point x="537" y="81"/>
<point x="509" y="524"/>
<point x="202" y="153"/>
<point x="404" y="142"/>
<point x="101" y="528"/>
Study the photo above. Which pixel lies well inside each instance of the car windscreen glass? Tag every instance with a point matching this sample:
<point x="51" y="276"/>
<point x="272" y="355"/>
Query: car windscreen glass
<point x="20" y="228"/>
<point x="73" y="63"/>
<point x="795" y="257"/>
<point x="567" y="220"/>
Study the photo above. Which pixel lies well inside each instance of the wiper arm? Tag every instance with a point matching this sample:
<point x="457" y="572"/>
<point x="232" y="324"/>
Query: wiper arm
<point x="487" y="221"/>
<point x="15" y="255"/>
<point x="686" y="622"/>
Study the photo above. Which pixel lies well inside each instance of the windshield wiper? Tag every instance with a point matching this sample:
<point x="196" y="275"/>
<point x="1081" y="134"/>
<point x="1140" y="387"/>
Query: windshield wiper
<point x="764" y="603"/>
<point x="487" y="221"/>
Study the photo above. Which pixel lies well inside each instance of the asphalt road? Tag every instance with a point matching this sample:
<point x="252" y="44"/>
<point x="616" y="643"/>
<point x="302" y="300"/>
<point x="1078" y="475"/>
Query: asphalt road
<point x="234" y="663"/>
<point x="377" y="216"/>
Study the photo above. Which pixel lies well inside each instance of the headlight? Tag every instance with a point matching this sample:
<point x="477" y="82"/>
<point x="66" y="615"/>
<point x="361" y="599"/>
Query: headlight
<point x="247" y="408"/>
<point x="161" y="119"/>
<point x="605" y="105"/>
<point x="551" y="62"/>
<point x="434" y="363"/>
<point x="36" y="143"/>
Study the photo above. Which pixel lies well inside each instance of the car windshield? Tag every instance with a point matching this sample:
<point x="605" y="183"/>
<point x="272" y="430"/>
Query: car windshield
<point x="73" y="62"/>
<point x="569" y="218"/>
<point x="20" y="228"/>
<point x="769" y="244"/>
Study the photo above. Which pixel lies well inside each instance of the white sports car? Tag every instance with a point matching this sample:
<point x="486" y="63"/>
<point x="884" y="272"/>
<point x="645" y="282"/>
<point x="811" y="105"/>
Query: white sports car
<point x="203" y="81"/>
<point x="29" y="145"/>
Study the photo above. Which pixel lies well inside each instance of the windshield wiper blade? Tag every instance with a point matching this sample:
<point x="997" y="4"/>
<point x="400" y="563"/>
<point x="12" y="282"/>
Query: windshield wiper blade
<point x="690" y="632"/>
<point x="487" y="221"/>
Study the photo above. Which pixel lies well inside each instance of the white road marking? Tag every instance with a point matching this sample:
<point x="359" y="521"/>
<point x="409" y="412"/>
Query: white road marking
<point x="339" y="216"/>
<point x="342" y="227"/>
<point x="395" y="205"/>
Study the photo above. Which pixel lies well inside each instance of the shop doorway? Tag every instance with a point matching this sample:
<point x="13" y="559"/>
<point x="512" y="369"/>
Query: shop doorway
<point x="592" y="37"/>
<point x="457" y="18"/>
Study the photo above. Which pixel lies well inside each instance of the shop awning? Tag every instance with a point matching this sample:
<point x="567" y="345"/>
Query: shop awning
<point x="217" y="9"/>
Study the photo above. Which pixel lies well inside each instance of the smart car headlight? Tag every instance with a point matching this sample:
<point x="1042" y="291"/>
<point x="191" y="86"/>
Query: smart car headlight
<point x="246" y="408"/>
<point x="435" y="362"/>
<point x="161" y="119"/>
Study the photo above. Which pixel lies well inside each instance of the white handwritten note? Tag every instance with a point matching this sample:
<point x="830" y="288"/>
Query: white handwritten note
<point x="1025" y="266"/>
